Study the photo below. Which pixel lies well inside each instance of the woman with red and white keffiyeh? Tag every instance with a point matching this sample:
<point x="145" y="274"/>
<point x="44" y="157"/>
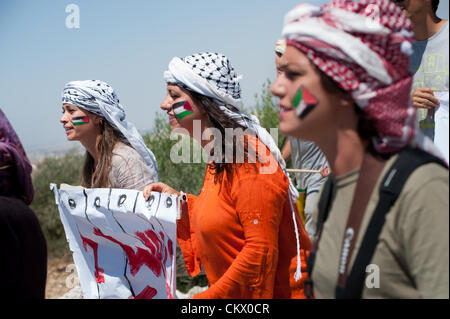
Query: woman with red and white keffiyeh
<point x="344" y="83"/>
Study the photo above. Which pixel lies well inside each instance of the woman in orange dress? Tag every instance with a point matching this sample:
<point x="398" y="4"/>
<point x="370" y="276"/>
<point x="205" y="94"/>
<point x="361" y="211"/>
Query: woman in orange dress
<point x="242" y="227"/>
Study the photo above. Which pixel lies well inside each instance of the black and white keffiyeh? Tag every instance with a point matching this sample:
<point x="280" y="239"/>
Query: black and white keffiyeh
<point x="98" y="97"/>
<point x="212" y="75"/>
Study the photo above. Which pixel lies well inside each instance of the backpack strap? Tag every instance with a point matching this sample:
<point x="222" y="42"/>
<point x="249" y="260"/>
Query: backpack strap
<point x="324" y="206"/>
<point x="390" y="188"/>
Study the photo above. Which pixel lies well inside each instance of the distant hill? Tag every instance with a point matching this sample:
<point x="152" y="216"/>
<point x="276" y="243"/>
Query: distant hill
<point x="36" y="155"/>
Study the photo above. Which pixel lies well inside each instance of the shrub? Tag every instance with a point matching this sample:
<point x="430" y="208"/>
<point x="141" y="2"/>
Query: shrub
<point x="56" y="170"/>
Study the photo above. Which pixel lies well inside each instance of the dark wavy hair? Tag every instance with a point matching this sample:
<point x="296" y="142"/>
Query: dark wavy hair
<point x="434" y="5"/>
<point x="221" y="122"/>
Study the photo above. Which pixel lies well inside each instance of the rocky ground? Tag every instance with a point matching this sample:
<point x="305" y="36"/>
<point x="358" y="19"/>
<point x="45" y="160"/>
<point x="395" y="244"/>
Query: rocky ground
<point x="56" y="277"/>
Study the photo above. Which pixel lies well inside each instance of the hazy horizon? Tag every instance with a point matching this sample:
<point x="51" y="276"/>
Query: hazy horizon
<point x="129" y="45"/>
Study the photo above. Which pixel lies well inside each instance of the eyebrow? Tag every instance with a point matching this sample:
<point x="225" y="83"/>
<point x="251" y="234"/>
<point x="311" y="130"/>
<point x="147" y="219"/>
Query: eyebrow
<point x="282" y="66"/>
<point x="171" y="91"/>
<point x="290" y="66"/>
<point x="287" y="66"/>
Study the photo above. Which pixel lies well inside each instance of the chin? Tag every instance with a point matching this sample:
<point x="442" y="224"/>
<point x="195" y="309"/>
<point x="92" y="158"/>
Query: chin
<point x="288" y="130"/>
<point x="290" y="127"/>
<point x="72" y="137"/>
<point x="176" y="128"/>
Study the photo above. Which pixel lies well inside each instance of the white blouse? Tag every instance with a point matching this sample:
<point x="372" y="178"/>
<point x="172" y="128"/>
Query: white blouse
<point x="128" y="169"/>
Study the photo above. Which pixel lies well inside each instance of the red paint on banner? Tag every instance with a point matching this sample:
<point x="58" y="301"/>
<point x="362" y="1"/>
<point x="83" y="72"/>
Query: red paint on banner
<point x="99" y="278"/>
<point x="140" y="257"/>
<point x="169" y="294"/>
<point x="170" y="244"/>
<point x="147" y="293"/>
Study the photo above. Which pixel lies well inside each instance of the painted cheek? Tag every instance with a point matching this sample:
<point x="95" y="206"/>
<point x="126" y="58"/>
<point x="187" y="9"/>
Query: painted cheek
<point x="298" y="98"/>
<point x="304" y="102"/>
<point x="182" y="109"/>
<point x="80" y="120"/>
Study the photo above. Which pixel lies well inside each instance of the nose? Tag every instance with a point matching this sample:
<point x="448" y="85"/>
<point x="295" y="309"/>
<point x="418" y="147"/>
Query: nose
<point x="64" y="118"/>
<point x="165" y="104"/>
<point x="277" y="88"/>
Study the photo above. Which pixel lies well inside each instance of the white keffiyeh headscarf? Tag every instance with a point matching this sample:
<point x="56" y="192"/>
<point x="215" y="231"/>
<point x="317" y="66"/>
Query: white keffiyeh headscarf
<point x="212" y="75"/>
<point x="100" y="98"/>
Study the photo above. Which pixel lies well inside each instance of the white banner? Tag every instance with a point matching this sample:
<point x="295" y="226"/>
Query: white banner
<point x="123" y="246"/>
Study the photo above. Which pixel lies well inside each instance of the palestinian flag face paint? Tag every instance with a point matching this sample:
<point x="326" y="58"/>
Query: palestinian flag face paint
<point x="80" y="120"/>
<point x="304" y="102"/>
<point x="182" y="109"/>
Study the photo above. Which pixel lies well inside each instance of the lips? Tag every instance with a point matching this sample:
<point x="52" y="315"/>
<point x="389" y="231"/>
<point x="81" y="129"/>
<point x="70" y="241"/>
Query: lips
<point x="284" y="109"/>
<point x="172" y="119"/>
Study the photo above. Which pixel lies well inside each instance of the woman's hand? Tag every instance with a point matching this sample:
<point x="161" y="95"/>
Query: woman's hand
<point x="158" y="187"/>
<point x="325" y="171"/>
<point x="424" y="98"/>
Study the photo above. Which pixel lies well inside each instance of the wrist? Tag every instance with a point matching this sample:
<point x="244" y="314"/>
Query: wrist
<point x="182" y="203"/>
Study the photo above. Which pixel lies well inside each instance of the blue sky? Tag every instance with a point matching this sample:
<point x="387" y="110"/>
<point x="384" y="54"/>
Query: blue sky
<point x="127" y="44"/>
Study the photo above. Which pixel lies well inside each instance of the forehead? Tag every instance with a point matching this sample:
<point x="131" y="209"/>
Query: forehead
<point x="176" y="89"/>
<point x="66" y="105"/>
<point x="294" y="57"/>
<point x="173" y="87"/>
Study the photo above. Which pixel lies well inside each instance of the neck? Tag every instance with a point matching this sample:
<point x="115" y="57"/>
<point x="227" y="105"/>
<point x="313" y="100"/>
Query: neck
<point x="202" y="132"/>
<point x="426" y="27"/>
<point x="345" y="152"/>
<point x="91" y="146"/>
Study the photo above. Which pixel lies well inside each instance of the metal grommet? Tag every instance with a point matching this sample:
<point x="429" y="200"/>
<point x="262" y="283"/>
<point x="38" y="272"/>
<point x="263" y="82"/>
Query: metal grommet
<point x="72" y="203"/>
<point x="168" y="202"/>
<point x="151" y="200"/>
<point x="122" y="199"/>
<point x="97" y="202"/>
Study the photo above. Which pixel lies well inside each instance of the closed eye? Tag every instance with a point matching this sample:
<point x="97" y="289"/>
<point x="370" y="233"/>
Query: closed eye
<point x="292" y="75"/>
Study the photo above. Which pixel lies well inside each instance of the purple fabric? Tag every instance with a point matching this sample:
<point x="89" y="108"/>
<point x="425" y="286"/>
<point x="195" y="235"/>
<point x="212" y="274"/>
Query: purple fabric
<point x="15" y="168"/>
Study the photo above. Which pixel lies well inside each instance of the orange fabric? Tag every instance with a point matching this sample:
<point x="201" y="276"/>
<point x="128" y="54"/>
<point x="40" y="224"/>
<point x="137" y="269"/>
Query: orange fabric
<point x="241" y="231"/>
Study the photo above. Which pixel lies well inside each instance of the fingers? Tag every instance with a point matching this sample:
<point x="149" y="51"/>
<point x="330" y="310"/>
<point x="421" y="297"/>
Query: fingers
<point x="153" y="187"/>
<point x="424" y="98"/>
<point x="325" y="171"/>
<point x="157" y="187"/>
<point x="429" y="95"/>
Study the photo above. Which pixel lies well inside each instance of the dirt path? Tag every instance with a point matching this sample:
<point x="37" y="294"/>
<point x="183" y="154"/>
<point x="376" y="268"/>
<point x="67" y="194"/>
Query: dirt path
<point x="57" y="276"/>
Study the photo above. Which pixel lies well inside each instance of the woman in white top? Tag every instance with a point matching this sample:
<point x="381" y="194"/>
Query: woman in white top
<point x="116" y="155"/>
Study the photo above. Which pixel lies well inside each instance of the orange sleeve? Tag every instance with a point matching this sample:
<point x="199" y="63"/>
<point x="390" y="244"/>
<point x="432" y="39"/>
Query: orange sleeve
<point x="186" y="239"/>
<point x="259" y="204"/>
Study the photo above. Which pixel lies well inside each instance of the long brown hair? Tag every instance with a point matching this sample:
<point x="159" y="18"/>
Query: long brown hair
<point x="220" y="121"/>
<point x="98" y="177"/>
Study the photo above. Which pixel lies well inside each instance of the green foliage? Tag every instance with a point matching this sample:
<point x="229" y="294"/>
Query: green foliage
<point x="267" y="112"/>
<point x="67" y="170"/>
<point x="187" y="177"/>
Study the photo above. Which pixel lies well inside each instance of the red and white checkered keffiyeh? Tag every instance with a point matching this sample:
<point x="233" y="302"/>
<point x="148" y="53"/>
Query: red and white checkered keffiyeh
<point x="364" y="46"/>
